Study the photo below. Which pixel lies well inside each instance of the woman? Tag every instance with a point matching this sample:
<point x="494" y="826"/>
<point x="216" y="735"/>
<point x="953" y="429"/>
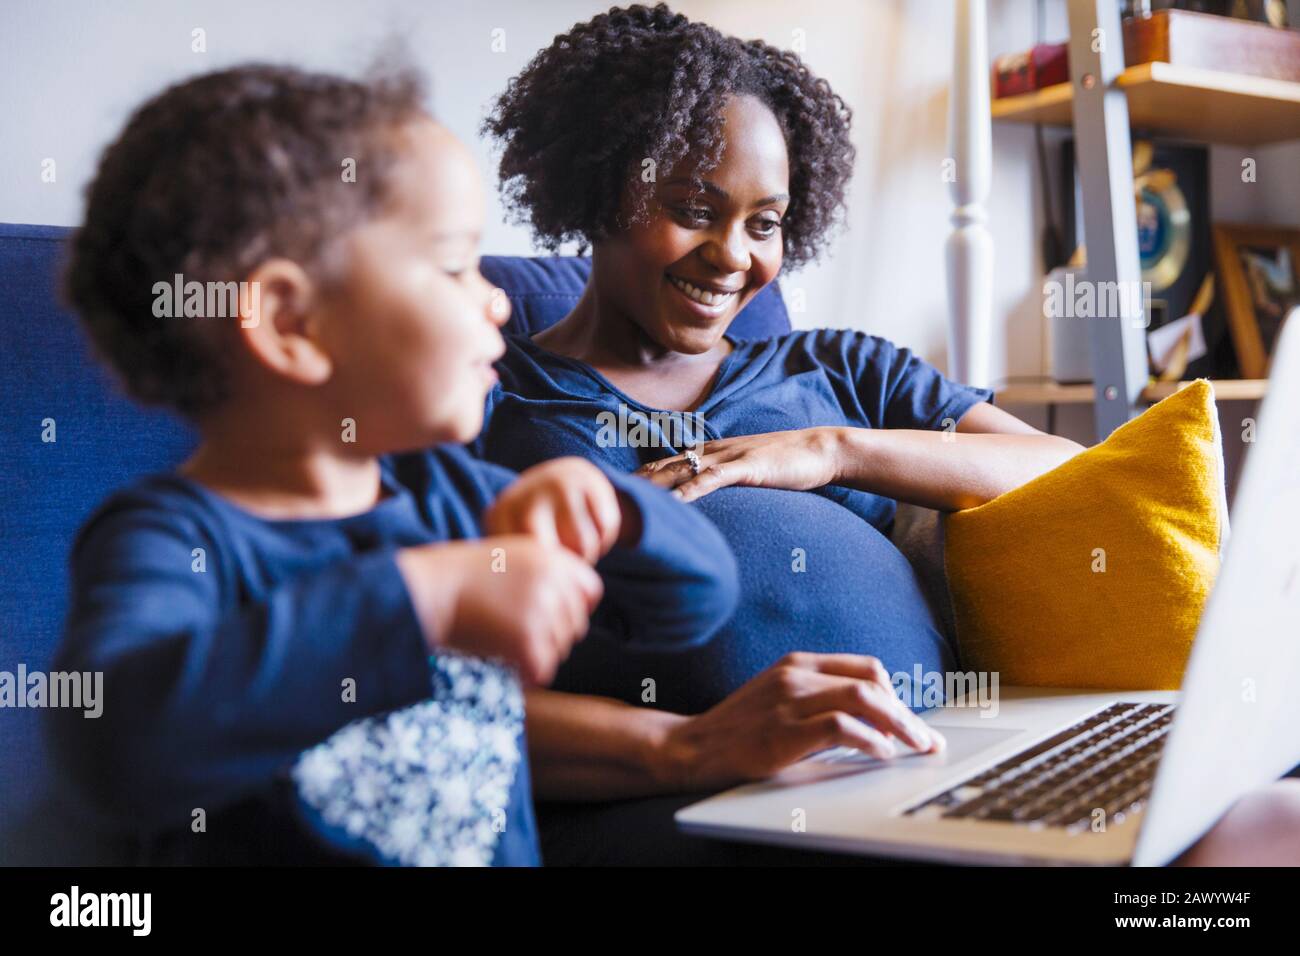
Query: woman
<point x="696" y="166"/>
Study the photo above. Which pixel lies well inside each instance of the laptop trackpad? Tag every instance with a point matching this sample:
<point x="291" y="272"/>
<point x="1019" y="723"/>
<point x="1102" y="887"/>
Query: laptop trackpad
<point x="963" y="742"/>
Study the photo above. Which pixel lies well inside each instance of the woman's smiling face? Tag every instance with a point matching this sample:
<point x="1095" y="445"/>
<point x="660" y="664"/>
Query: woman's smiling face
<point x="702" y="256"/>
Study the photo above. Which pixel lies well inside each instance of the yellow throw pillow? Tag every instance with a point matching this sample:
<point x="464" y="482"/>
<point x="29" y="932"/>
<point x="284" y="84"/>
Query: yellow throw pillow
<point x="1095" y="573"/>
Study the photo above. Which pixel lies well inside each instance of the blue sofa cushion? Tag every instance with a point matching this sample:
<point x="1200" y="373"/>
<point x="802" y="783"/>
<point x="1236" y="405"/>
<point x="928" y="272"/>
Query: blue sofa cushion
<point x="51" y="387"/>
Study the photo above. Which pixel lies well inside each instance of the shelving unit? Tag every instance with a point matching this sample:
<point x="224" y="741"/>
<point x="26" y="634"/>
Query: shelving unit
<point x="1102" y="101"/>
<point x="1054" y="393"/>
<point x="1178" y="101"/>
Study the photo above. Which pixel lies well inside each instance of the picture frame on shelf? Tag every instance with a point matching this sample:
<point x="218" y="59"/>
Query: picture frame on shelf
<point x="1172" y="191"/>
<point x="1171" y="183"/>
<point x="1259" y="274"/>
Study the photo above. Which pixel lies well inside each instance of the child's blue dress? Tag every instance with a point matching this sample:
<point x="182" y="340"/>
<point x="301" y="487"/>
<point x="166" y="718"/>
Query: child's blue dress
<point x="433" y="784"/>
<point x="268" y="692"/>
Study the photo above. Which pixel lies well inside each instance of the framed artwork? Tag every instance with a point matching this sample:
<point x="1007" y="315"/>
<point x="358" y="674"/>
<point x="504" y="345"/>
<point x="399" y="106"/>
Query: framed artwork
<point x="1171" y="186"/>
<point x="1259" y="274"/>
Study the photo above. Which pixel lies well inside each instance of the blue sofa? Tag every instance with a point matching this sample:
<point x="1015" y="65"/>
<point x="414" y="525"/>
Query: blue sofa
<point x="102" y="441"/>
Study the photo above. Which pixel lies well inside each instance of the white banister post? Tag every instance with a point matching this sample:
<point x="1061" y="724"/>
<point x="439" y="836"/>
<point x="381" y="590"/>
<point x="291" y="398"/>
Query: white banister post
<point x="970" y="245"/>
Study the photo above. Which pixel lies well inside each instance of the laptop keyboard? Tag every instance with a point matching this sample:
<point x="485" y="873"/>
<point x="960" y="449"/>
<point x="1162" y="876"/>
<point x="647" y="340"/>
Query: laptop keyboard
<point x="1106" y="761"/>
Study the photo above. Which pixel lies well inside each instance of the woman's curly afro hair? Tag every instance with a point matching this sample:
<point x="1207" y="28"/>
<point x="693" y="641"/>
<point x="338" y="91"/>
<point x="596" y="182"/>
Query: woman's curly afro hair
<point x="643" y="82"/>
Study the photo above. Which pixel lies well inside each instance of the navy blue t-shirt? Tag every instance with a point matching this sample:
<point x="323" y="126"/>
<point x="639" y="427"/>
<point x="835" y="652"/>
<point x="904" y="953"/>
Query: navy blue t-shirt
<point x="818" y="571"/>
<point x="227" y="642"/>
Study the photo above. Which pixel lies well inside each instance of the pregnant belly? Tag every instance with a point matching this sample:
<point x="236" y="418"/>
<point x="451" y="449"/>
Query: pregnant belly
<point x="814" y="577"/>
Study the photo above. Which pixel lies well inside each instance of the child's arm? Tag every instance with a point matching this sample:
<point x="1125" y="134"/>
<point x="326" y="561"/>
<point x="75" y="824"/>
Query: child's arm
<point x="207" y="695"/>
<point x="203" y="698"/>
<point x="670" y="577"/>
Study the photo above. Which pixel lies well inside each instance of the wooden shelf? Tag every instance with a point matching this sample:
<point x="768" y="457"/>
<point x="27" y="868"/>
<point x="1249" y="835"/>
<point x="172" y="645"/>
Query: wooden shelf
<point x="1044" y="393"/>
<point x="1054" y="393"/>
<point x="1176" y="100"/>
<point x="1225" y="389"/>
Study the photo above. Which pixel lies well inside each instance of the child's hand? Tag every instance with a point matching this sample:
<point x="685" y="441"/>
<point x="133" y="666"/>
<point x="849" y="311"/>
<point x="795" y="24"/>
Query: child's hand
<point x="511" y="598"/>
<point x="566" y="501"/>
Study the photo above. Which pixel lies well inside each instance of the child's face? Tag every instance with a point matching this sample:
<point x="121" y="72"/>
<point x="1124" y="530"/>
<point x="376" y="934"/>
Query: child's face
<point x="725" y="242"/>
<point x="413" y="328"/>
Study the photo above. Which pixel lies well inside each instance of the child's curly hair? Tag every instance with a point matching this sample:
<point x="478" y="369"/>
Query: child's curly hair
<point x="644" y="82"/>
<point x="209" y="178"/>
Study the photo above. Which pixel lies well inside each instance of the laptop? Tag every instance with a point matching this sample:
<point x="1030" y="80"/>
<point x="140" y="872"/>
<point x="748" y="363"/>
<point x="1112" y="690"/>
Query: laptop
<point x="1049" y="776"/>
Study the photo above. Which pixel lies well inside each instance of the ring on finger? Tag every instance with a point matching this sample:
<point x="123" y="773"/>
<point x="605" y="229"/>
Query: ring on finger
<point x="693" y="461"/>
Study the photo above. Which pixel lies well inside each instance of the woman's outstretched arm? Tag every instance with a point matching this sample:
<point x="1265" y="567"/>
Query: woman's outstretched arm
<point x="583" y="747"/>
<point x="989" y="452"/>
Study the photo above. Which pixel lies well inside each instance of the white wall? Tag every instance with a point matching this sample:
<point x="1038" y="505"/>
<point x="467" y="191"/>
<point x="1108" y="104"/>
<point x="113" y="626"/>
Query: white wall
<point x="71" y="70"/>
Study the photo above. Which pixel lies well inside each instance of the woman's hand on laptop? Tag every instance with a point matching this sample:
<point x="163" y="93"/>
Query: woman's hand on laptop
<point x="802" y="704"/>
<point x="567" y="502"/>
<point x="506" y="597"/>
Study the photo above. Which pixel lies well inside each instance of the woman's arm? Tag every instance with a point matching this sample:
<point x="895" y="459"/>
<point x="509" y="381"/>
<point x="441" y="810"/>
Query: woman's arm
<point x="989" y="452"/>
<point x="594" y="748"/>
<point x="582" y="747"/>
